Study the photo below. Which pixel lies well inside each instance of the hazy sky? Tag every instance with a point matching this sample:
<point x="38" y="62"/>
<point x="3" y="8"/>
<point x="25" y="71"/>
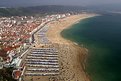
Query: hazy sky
<point x="4" y="3"/>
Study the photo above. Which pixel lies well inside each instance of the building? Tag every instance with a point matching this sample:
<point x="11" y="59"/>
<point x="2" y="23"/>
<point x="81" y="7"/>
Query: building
<point x="1" y="65"/>
<point x="16" y="74"/>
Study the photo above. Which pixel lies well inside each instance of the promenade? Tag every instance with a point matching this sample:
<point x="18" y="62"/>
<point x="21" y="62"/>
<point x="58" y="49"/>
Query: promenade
<point x="42" y="60"/>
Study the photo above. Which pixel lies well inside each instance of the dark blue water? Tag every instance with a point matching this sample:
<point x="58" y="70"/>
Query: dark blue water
<point x="102" y="36"/>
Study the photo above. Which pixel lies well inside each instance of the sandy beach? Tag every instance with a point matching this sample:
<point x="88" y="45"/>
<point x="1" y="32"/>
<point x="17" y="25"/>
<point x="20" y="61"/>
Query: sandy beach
<point x="71" y="56"/>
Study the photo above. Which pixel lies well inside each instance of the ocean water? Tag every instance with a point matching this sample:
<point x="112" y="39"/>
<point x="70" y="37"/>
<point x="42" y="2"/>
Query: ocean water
<point x="102" y="36"/>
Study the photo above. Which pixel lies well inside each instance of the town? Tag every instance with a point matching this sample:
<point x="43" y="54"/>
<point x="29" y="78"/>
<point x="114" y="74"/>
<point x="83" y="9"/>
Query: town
<point x="17" y="37"/>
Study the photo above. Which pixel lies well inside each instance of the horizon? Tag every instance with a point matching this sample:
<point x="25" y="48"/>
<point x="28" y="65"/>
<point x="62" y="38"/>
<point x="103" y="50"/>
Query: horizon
<point x="30" y="3"/>
<point x="103" y="7"/>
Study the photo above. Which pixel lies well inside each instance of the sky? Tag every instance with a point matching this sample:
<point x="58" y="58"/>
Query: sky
<point x="17" y="3"/>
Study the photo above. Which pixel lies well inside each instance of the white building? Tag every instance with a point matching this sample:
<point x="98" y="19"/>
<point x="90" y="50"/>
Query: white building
<point x="1" y="65"/>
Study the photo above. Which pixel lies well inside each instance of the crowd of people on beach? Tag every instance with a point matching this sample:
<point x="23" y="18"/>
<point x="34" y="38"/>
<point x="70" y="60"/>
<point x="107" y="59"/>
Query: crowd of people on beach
<point x="46" y="65"/>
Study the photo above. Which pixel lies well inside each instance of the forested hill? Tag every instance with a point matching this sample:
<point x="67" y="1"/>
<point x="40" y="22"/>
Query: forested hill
<point x="38" y="10"/>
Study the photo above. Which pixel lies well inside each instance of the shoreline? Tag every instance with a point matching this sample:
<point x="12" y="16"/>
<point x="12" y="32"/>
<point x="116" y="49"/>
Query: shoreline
<point x="75" y="68"/>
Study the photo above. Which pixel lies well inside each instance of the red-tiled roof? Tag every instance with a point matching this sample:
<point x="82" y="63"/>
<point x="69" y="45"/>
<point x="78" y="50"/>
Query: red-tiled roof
<point x="16" y="74"/>
<point x="3" y="53"/>
<point x="26" y="36"/>
<point x="9" y="48"/>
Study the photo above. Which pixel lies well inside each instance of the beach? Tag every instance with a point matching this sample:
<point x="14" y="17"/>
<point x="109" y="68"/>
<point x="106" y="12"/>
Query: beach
<point x="71" y="56"/>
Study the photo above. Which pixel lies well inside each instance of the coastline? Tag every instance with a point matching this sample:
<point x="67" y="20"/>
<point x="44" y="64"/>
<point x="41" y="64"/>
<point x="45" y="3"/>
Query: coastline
<point x="72" y="57"/>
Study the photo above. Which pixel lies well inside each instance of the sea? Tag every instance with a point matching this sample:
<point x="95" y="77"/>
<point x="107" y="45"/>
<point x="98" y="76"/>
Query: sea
<point x="101" y="35"/>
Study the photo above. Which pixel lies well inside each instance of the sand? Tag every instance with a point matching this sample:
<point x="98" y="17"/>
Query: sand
<point x="71" y="56"/>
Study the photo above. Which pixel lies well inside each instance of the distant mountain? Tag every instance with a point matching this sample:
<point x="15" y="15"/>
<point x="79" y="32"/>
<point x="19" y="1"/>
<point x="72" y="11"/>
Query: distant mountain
<point x="39" y="9"/>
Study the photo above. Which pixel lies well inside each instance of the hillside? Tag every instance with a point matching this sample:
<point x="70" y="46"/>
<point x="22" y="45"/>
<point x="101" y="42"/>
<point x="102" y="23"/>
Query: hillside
<point x="38" y="10"/>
